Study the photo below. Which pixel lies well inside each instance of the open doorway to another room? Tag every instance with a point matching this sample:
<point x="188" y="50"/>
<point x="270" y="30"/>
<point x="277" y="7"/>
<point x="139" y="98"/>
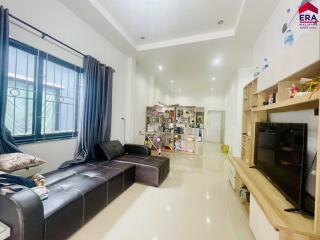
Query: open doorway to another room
<point x="215" y="127"/>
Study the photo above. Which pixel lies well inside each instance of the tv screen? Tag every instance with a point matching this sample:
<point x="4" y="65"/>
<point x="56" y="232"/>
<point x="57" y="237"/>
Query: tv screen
<point x="280" y="154"/>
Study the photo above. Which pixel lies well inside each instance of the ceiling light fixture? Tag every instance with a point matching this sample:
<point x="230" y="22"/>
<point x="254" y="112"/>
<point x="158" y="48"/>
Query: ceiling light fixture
<point x="179" y="90"/>
<point x="212" y="89"/>
<point x="160" y="67"/>
<point x="168" y="208"/>
<point x="213" y="78"/>
<point x="217" y="61"/>
<point x="172" y="81"/>
<point x="208" y="196"/>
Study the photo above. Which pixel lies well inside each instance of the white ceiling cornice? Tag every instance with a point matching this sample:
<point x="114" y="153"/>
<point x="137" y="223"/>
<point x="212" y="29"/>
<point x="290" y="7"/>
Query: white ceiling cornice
<point x="187" y="40"/>
<point x="171" y="42"/>
<point x="105" y="13"/>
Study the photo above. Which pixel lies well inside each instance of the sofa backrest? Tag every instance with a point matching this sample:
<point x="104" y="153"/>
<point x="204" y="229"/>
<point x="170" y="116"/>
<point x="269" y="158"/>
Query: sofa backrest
<point x="109" y="150"/>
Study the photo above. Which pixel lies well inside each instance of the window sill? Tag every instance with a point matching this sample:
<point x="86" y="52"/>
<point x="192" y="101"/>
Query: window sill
<point x="27" y="142"/>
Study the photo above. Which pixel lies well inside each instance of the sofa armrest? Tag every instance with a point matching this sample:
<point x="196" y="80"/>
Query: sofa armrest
<point x="23" y="213"/>
<point x="136" y="149"/>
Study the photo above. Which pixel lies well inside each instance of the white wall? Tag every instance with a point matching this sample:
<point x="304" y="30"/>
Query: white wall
<point x="161" y="94"/>
<point x="234" y="104"/>
<point x="147" y="92"/>
<point x="209" y="102"/>
<point x="52" y="17"/>
<point x="270" y="42"/>
<point x="55" y="152"/>
<point x="283" y="59"/>
<point x="142" y="98"/>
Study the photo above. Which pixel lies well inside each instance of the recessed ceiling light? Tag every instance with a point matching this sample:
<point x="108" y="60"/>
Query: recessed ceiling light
<point x="168" y="208"/>
<point x="220" y="22"/>
<point x="217" y="61"/>
<point x="213" y="78"/>
<point x="160" y="67"/>
<point x="208" y="220"/>
<point x="212" y="89"/>
<point x="208" y="196"/>
<point x="179" y="90"/>
<point x="171" y="81"/>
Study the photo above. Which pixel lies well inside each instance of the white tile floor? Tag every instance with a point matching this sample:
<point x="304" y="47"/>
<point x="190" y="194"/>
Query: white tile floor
<point x="196" y="202"/>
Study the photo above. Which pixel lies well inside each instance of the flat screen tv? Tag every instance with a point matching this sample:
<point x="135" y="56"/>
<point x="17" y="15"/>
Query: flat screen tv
<point x="281" y="155"/>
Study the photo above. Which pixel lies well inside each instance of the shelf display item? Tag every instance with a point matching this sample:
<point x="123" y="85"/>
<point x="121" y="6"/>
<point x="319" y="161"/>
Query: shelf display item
<point x="174" y="128"/>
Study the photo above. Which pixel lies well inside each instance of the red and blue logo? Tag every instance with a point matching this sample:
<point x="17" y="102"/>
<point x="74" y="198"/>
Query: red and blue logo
<point x="309" y="16"/>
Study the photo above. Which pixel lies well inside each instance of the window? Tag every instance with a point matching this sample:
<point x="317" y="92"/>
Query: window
<point x="43" y="95"/>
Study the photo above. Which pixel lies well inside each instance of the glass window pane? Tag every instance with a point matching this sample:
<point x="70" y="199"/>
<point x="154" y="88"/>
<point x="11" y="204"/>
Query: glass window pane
<point x="60" y="96"/>
<point x="59" y="100"/>
<point x="20" y="96"/>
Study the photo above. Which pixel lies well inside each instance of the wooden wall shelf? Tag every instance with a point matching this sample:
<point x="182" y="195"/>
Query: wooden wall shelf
<point x="273" y="202"/>
<point x="298" y="103"/>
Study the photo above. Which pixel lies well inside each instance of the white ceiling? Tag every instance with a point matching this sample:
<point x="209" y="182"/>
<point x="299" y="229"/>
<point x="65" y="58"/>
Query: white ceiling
<point x="181" y="35"/>
<point x="163" y="20"/>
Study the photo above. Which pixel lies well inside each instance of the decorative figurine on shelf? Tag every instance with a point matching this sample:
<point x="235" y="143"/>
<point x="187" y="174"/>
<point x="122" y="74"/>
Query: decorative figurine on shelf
<point x="272" y="98"/>
<point x="293" y="91"/>
<point x="310" y="85"/>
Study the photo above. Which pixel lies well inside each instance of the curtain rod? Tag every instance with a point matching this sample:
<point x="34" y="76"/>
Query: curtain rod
<point x="44" y="35"/>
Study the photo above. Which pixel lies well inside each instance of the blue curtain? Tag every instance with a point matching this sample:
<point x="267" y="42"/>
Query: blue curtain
<point x="95" y="125"/>
<point x="7" y="144"/>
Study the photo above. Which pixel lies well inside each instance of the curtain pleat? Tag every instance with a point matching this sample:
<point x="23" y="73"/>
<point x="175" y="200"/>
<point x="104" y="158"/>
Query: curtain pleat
<point x="95" y="125"/>
<point x="7" y="144"/>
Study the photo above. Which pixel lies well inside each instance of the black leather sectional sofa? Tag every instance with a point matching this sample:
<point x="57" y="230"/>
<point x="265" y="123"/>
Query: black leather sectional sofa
<point x="78" y="193"/>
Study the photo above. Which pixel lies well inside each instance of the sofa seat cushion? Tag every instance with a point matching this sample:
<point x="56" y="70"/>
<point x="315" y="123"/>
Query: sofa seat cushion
<point x="62" y="210"/>
<point x="118" y="165"/>
<point x="149" y="170"/>
<point x="105" y="173"/>
<point x="113" y="177"/>
<point x="162" y="163"/>
<point x="93" y="190"/>
<point x="57" y="176"/>
<point x="62" y="174"/>
<point x="81" y="183"/>
<point x="59" y="198"/>
<point x="128" y="170"/>
<point x="131" y="159"/>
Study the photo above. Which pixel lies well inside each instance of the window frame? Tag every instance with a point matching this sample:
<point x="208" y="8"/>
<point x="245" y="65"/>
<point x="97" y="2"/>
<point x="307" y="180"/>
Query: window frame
<point x="40" y="58"/>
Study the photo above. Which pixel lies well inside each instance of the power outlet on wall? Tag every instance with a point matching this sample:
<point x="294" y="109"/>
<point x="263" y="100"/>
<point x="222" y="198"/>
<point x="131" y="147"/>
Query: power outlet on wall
<point x="316" y="112"/>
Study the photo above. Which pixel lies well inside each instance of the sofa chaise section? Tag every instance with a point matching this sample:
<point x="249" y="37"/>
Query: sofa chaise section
<point x="150" y="170"/>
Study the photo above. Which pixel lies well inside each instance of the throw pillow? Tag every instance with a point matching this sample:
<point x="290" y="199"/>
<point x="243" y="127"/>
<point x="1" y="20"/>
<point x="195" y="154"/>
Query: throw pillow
<point x="16" y="161"/>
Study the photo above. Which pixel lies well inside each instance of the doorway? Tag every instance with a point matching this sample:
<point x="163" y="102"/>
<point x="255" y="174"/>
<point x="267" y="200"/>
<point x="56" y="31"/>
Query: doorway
<point x="215" y="126"/>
